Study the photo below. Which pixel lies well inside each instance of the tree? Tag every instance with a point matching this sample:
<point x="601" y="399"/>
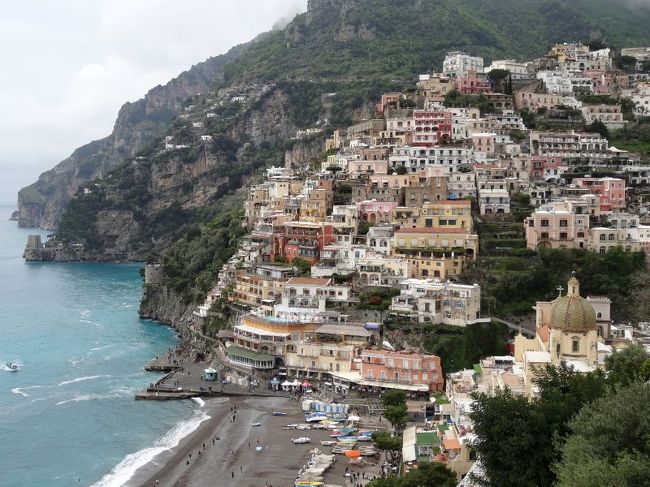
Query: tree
<point x="388" y="443"/>
<point x="599" y="127"/>
<point x="625" y="366"/>
<point x="426" y="475"/>
<point x="610" y="442"/>
<point x="303" y="266"/>
<point x="401" y="170"/>
<point x="498" y="78"/>
<point x="509" y="427"/>
<point x="429" y="475"/>
<point x="396" y="412"/>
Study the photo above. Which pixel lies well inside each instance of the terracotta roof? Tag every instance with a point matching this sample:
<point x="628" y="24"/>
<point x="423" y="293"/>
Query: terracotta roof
<point x="433" y="230"/>
<point x="451" y="444"/>
<point x="308" y="281"/>
<point x="543" y="333"/>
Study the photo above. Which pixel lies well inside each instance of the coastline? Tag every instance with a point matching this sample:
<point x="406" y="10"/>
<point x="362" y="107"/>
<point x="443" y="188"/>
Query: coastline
<point x="234" y="453"/>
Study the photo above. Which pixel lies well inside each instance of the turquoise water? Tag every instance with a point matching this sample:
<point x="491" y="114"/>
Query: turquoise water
<point x="68" y="417"/>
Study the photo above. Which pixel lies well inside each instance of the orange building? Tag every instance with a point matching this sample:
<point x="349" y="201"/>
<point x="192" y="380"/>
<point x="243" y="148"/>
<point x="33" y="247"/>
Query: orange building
<point x="392" y="369"/>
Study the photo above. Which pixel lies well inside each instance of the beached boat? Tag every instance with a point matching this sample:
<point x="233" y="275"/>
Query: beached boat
<point x="301" y="441"/>
<point x="279" y="413"/>
<point x="328" y="442"/>
<point x="254" y="425"/>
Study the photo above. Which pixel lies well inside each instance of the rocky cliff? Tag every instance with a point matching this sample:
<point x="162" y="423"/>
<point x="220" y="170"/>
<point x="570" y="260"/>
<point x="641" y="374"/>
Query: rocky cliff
<point x="138" y="124"/>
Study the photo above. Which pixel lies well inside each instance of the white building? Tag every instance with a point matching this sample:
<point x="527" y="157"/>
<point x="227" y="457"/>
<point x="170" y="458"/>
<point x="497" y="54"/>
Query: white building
<point x="457" y="64"/>
<point x="432" y="301"/>
<point x="417" y="158"/>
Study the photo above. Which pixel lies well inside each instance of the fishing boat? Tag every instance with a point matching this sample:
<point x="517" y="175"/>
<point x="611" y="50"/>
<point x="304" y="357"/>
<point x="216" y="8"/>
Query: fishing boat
<point x="328" y="442"/>
<point x="279" y="413"/>
<point x="301" y="441"/>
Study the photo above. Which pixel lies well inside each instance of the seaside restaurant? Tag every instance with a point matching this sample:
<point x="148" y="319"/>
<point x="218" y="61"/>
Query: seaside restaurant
<point x="242" y="356"/>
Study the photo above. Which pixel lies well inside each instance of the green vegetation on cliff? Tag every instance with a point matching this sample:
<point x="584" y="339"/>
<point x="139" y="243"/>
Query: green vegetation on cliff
<point x="192" y="264"/>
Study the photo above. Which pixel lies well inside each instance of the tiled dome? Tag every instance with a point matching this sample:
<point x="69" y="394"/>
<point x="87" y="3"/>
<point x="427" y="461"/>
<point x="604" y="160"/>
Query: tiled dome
<point x="572" y="312"/>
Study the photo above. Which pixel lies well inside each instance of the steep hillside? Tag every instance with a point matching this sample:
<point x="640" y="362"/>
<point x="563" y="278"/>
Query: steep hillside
<point x="354" y="48"/>
<point x="138" y="125"/>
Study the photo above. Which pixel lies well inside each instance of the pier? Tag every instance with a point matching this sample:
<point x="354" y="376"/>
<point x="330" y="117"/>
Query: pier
<point x="184" y="380"/>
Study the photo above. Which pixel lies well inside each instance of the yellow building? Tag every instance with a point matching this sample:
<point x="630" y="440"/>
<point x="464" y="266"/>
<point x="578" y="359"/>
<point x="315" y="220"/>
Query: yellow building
<point x="260" y="287"/>
<point x="316" y="207"/>
<point x="447" y="214"/>
<point x="435" y="252"/>
<point x="566" y="328"/>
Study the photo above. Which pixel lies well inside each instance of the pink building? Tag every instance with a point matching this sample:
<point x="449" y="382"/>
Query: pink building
<point x="431" y="127"/>
<point x="414" y="369"/>
<point x="610" y="191"/>
<point x="388" y="99"/>
<point x="472" y="84"/>
<point x="545" y="167"/>
<point x="607" y="81"/>
<point x="376" y="211"/>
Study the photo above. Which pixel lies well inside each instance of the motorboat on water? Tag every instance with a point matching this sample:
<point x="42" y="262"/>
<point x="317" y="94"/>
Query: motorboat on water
<point x="12" y="367"/>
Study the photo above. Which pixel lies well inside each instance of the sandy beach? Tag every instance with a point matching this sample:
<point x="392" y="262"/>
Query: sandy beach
<point x="233" y="459"/>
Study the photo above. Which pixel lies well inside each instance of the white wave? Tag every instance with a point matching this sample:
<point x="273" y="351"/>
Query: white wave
<point x="19" y="390"/>
<point x="199" y="401"/>
<point x="82" y="379"/>
<point x="89" y="322"/>
<point x="124" y="470"/>
<point x="88" y="397"/>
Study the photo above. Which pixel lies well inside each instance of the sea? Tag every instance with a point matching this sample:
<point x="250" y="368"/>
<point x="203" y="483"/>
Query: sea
<point x="68" y="416"/>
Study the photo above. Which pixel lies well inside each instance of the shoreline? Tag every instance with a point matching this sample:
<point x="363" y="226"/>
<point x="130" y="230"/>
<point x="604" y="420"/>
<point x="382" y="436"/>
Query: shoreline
<point x="234" y="453"/>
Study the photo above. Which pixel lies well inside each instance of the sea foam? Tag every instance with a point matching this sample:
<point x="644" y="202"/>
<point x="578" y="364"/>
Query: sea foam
<point x="124" y="470"/>
<point x="82" y="379"/>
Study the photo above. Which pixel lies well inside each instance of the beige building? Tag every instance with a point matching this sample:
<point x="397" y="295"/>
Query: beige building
<point x="435" y="252"/>
<point x="447" y="214"/>
<point x="568" y="329"/>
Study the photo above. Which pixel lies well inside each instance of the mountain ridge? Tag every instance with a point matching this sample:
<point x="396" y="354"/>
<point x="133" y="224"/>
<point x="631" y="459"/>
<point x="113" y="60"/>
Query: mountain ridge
<point x="342" y="41"/>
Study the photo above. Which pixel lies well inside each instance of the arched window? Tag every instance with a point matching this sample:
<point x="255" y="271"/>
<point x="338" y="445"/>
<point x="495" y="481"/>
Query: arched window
<point x="612" y="237"/>
<point x="603" y="237"/>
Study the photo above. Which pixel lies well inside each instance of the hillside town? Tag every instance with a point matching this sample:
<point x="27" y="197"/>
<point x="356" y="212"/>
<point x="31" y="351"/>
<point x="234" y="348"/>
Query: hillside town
<point x="386" y="226"/>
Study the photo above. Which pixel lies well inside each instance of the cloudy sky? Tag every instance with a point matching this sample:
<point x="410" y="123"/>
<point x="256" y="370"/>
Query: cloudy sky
<point x="68" y="66"/>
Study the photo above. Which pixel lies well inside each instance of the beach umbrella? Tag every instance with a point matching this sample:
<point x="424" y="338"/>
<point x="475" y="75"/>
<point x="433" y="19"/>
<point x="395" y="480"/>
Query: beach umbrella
<point x="352" y="453"/>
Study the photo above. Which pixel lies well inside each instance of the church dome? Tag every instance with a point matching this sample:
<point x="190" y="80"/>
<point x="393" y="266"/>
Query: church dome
<point x="572" y="312"/>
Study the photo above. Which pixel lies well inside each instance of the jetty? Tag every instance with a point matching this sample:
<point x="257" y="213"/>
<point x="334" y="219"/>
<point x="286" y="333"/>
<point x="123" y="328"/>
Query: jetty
<point x="184" y="379"/>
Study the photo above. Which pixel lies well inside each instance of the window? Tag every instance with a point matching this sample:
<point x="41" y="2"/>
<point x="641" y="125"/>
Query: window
<point x="564" y="223"/>
<point x="544" y="223"/>
<point x="603" y="250"/>
<point x="612" y="237"/>
<point x="603" y="237"/>
<point x="575" y="345"/>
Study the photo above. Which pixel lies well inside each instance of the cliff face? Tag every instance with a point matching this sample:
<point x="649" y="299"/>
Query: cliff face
<point x="138" y="124"/>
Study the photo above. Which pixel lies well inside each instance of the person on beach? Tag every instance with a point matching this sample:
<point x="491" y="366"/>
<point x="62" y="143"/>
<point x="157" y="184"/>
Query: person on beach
<point x="233" y="474"/>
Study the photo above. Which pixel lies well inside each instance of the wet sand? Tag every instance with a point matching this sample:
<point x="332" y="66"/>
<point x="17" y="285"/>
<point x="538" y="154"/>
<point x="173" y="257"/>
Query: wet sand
<point x="277" y="464"/>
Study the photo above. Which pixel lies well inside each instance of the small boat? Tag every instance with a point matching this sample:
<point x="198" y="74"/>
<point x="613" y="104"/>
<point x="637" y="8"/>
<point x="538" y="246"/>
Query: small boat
<point x="328" y="442"/>
<point x="279" y="413"/>
<point x="12" y="367"/>
<point x="301" y="441"/>
<point x="255" y="425"/>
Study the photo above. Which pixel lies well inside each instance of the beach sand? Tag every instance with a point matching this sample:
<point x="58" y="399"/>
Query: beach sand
<point x="277" y="464"/>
